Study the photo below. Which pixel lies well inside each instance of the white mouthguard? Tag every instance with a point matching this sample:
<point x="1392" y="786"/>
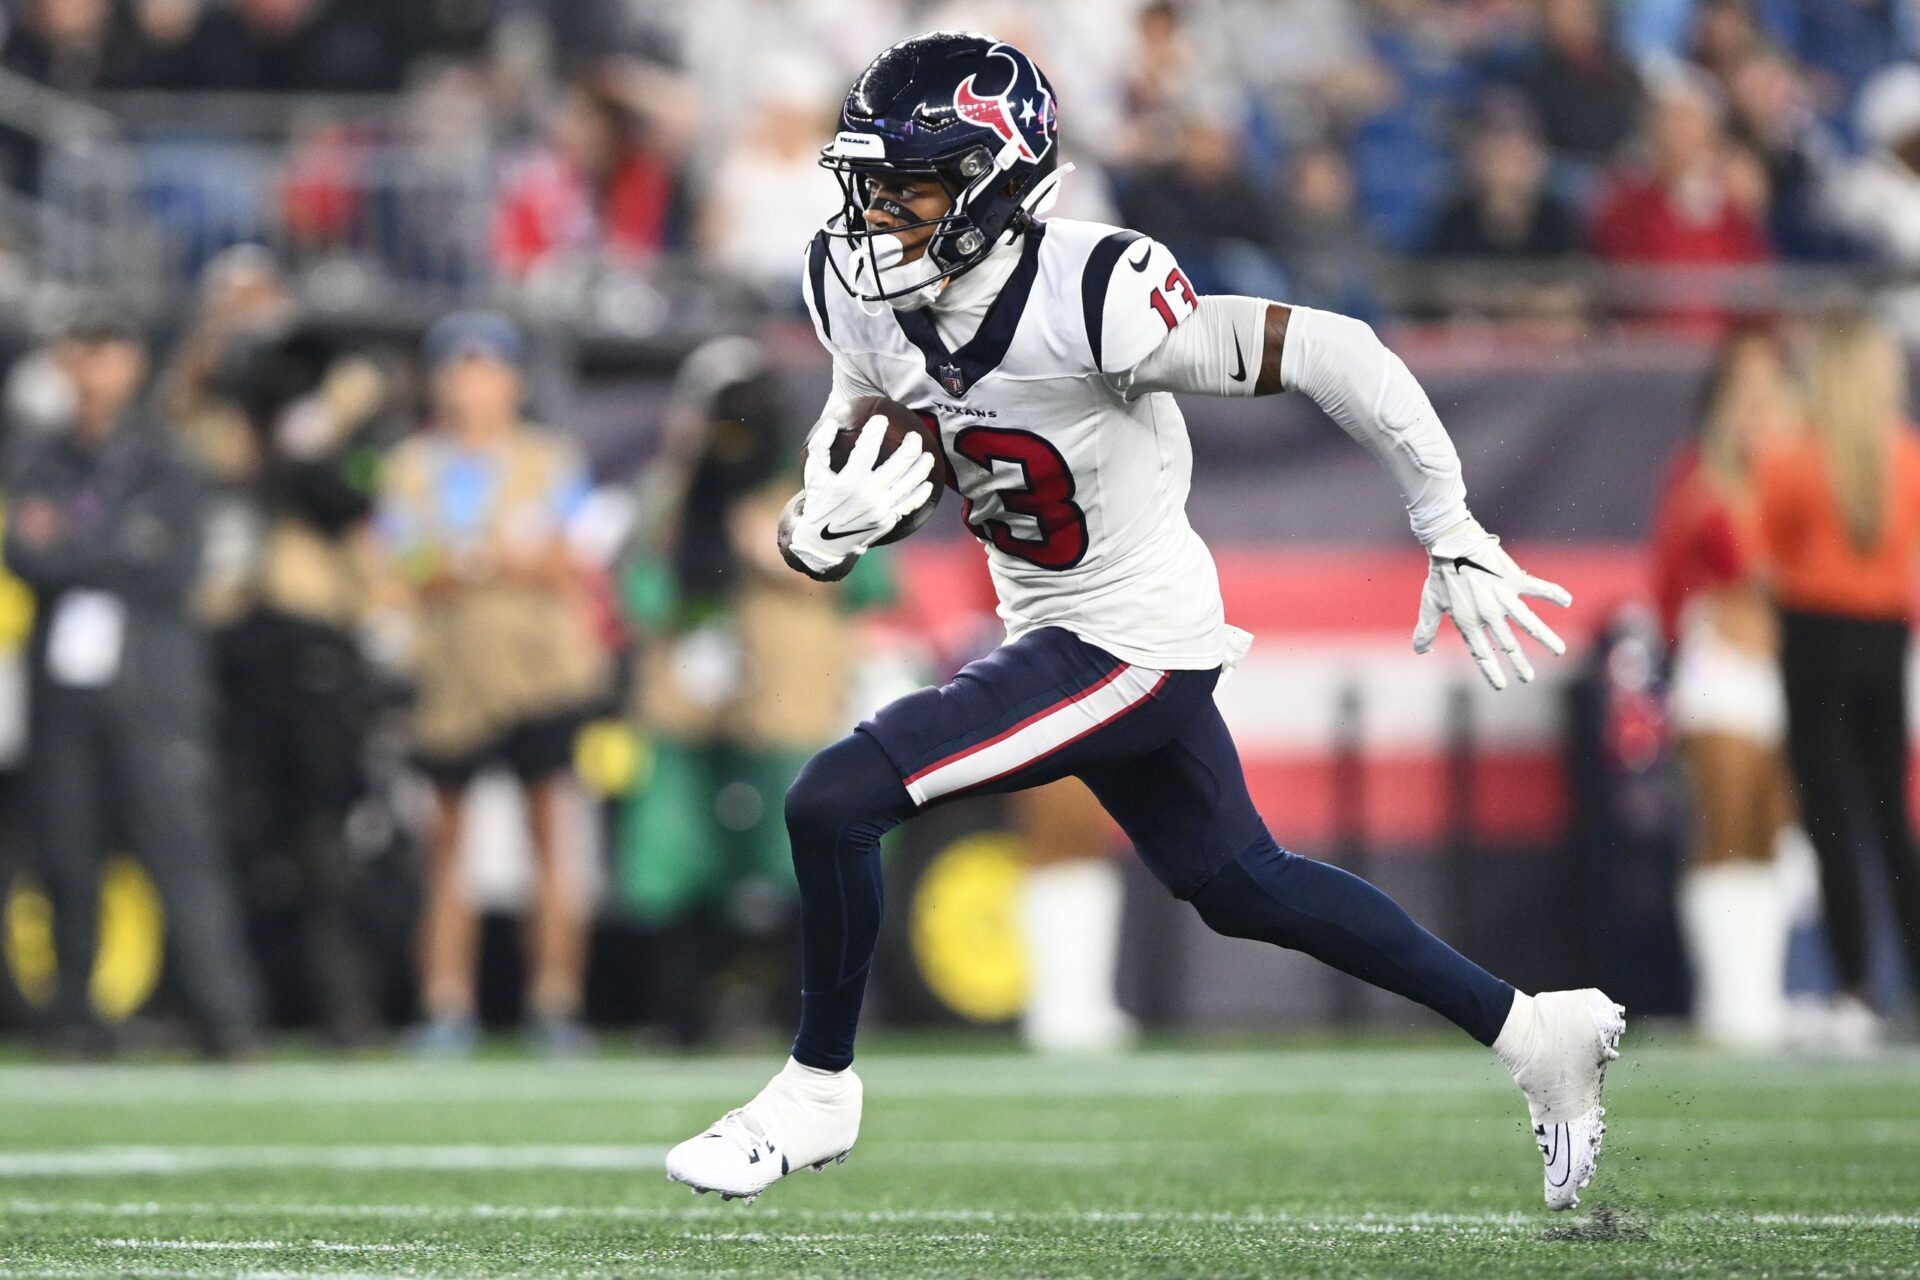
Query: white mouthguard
<point x="882" y="256"/>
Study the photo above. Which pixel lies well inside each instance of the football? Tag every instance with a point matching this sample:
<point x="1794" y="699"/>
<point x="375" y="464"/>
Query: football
<point x="901" y="422"/>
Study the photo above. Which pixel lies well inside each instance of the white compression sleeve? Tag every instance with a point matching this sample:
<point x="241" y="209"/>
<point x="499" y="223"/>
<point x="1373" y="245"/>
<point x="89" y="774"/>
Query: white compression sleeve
<point x="1340" y="365"/>
<point x="1213" y="352"/>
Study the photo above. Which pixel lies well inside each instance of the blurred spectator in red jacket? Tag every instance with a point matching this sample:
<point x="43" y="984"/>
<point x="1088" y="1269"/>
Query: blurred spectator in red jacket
<point x="600" y="186"/>
<point x="1698" y="201"/>
<point x="321" y="193"/>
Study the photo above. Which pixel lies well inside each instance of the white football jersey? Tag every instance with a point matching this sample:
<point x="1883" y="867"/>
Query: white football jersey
<point x="1078" y="492"/>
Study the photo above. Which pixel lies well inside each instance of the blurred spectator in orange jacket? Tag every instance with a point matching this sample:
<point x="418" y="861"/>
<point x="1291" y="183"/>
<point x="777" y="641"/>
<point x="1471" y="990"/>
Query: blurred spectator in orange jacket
<point x="1840" y="516"/>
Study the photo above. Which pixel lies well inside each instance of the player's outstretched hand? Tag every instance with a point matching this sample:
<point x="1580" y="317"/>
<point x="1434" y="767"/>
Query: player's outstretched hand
<point x="1471" y="579"/>
<point x="844" y="512"/>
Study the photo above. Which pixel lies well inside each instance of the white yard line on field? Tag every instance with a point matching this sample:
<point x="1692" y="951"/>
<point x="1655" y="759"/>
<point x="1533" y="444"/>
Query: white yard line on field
<point x="163" y="1161"/>
<point x="653" y="1082"/>
<point x="1362" y="1071"/>
<point x="61" y="1271"/>
<point x="758" y="1215"/>
<point x="184" y="1160"/>
<point x="98" y="1162"/>
<point x="260" y="1246"/>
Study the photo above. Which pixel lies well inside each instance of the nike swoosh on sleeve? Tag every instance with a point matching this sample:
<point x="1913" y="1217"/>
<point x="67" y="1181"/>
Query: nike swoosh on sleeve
<point x="1239" y="360"/>
<point x="1146" y="251"/>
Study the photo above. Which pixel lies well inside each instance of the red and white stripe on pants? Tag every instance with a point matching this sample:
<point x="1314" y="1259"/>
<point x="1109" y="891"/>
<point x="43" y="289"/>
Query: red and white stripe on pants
<point x="1040" y="735"/>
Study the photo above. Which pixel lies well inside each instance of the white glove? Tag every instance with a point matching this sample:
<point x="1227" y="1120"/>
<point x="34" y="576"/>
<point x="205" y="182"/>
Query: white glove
<point x="844" y="512"/>
<point x="1476" y="583"/>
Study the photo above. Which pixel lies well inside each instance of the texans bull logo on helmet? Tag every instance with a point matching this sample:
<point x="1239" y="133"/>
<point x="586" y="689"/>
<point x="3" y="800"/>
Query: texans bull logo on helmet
<point x="969" y="113"/>
<point x="1025" y="104"/>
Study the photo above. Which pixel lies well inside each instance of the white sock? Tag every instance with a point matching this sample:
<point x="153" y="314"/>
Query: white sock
<point x="1514" y="1045"/>
<point x="1735" y="920"/>
<point x="1798" y="867"/>
<point x="1071" y="914"/>
<point x="815" y="1082"/>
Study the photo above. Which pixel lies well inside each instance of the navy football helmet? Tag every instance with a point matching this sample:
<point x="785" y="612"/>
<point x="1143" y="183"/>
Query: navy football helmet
<point x="973" y="113"/>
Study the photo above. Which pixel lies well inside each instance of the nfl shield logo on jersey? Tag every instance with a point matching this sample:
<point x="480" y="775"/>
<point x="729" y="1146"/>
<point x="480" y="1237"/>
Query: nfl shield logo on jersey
<point x="950" y="379"/>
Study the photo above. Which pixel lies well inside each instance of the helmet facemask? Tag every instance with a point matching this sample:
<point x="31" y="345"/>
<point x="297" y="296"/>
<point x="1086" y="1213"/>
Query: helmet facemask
<point x="960" y="239"/>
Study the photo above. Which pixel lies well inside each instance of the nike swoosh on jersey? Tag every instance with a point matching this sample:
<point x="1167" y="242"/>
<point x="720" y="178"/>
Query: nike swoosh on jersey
<point x="1239" y="360"/>
<point x="830" y="533"/>
<point x="1146" y="251"/>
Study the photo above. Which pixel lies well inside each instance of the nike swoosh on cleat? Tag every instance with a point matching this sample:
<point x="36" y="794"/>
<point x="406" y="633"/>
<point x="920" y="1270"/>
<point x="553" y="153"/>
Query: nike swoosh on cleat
<point x="1559" y="1154"/>
<point x="1146" y="251"/>
<point x="828" y="532"/>
<point x="1239" y="360"/>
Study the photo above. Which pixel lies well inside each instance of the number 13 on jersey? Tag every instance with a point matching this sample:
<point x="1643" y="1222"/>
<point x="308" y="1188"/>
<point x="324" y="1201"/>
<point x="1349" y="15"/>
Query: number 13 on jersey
<point x="1174" y="299"/>
<point x="1043" y="493"/>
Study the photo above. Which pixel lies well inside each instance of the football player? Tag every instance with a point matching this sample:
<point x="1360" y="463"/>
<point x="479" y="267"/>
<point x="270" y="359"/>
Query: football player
<point x="1048" y="351"/>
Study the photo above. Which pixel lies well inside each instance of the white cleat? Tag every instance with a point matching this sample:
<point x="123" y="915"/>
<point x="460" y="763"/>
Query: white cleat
<point x="804" y="1118"/>
<point x="1560" y="1063"/>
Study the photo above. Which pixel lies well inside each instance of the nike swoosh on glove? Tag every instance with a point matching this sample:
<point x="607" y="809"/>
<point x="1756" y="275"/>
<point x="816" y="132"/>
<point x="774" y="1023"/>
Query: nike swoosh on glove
<point x="844" y="512"/>
<point x="1472" y="580"/>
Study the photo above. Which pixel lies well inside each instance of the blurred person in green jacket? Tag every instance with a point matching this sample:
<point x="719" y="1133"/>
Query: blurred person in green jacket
<point x="743" y="670"/>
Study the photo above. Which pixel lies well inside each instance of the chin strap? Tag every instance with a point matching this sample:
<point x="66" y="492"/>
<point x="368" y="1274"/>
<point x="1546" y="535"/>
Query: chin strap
<point x="1039" y="200"/>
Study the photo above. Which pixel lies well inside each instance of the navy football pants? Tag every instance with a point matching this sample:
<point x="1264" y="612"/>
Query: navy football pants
<point x="1152" y="747"/>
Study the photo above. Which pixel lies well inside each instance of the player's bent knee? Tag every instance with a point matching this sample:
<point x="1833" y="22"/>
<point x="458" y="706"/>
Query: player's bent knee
<point x="849" y="785"/>
<point x="1239" y="901"/>
<point x="812" y="808"/>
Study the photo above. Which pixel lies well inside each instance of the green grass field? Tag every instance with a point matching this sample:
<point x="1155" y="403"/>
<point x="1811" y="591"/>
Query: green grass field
<point x="1318" y="1159"/>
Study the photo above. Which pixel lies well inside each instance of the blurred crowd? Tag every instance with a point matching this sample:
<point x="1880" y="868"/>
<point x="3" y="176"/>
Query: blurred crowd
<point x="1312" y="149"/>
